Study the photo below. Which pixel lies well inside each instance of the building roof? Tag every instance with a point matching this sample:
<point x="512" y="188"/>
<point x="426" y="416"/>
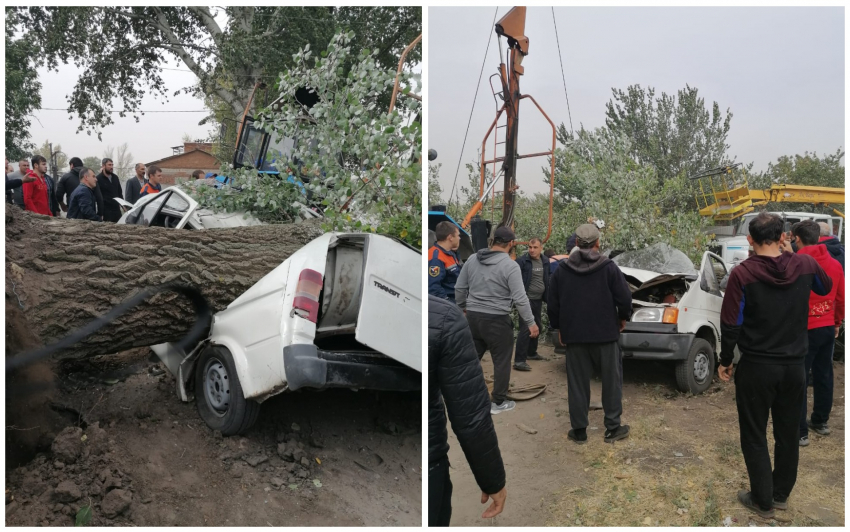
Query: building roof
<point x="159" y="162"/>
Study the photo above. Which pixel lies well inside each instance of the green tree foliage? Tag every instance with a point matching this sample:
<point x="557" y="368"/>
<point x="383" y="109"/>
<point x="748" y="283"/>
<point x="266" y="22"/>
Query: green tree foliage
<point x="598" y="177"/>
<point x="807" y="169"/>
<point x="92" y="162"/>
<point x="362" y="162"/>
<point x="22" y="89"/>
<point x="435" y="191"/>
<point x="129" y="45"/>
<point x="675" y="134"/>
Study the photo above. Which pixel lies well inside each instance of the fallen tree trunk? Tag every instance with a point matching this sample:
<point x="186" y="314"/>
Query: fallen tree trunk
<point x="64" y="273"/>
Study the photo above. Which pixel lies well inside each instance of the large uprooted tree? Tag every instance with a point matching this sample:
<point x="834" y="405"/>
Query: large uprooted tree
<point x="61" y="274"/>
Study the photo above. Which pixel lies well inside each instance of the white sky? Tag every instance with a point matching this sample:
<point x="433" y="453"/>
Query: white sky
<point x="149" y="139"/>
<point x="779" y="69"/>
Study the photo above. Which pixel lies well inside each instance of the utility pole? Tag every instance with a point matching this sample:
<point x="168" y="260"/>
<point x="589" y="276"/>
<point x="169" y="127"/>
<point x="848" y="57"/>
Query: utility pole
<point x="53" y="167"/>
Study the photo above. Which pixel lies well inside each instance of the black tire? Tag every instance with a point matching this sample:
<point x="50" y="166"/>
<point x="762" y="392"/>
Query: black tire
<point x="694" y="374"/>
<point x="223" y="408"/>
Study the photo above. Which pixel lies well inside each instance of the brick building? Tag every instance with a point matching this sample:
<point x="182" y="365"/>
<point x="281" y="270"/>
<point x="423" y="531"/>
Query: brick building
<point x="186" y="159"/>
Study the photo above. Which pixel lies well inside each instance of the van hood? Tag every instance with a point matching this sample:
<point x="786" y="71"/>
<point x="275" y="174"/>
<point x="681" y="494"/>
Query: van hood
<point x="645" y="279"/>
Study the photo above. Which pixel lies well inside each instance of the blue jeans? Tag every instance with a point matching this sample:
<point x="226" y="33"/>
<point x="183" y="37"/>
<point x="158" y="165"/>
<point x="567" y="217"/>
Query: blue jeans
<point x="819" y="361"/>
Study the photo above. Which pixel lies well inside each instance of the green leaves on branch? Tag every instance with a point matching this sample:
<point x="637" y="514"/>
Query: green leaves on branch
<point x="364" y="162"/>
<point x="597" y="177"/>
<point x="673" y="134"/>
<point x="22" y="90"/>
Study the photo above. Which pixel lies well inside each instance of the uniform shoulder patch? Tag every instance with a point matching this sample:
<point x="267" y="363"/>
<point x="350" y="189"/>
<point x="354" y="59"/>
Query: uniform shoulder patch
<point x="434" y="271"/>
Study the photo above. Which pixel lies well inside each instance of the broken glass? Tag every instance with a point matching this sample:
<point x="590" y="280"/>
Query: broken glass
<point x="659" y="258"/>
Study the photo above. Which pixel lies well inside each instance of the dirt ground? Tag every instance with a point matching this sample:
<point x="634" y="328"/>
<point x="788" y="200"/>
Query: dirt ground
<point x="137" y="456"/>
<point x="681" y="465"/>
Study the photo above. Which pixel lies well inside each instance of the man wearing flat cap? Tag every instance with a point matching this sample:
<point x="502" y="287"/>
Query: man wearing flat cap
<point x="589" y="301"/>
<point x="488" y="285"/>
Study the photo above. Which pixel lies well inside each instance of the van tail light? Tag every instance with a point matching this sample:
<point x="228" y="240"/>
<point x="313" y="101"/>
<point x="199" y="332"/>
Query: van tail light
<point x="306" y="303"/>
<point x="671" y="315"/>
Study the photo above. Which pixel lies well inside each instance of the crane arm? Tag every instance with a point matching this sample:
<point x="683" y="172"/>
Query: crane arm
<point x="798" y="194"/>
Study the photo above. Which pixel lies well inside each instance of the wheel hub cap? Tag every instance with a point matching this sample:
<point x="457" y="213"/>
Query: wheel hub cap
<point x="701" y="370"/>
<point x="217" y="386"/>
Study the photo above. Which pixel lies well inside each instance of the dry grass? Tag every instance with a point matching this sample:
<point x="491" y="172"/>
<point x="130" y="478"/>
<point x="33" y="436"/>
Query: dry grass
<point x="682" y="466"/>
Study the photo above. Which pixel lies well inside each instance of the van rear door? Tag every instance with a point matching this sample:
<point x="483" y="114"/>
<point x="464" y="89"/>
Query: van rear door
<point x="390" y="316"/>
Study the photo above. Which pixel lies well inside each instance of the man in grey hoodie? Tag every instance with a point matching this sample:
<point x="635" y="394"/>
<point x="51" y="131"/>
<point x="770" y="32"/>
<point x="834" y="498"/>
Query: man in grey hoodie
<point x="488" y="285"/>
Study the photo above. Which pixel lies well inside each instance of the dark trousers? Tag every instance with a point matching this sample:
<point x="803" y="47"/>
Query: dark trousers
<point x="579" y="371"/>
<point x="762" y="390"/>
<point x="494" y="332"/>
<point x="439" y="493"/>
<point x="819" y="361"/>
<point x="525" y="344"/>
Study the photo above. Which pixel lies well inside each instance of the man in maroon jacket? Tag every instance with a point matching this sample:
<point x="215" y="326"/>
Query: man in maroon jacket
<point x="765" y="313"/>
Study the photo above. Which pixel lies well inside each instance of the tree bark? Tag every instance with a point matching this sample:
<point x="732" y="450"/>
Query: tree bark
<point x="64" y="273"/>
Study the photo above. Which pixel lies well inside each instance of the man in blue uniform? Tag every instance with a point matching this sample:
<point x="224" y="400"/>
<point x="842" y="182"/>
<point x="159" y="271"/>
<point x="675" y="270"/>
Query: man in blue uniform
<point x="443" y="263"/>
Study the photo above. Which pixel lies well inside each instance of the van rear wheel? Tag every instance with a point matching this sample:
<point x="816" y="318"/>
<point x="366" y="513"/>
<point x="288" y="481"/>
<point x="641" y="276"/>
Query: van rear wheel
<point x="218" y="393"/>
<point x="694" y="374"/>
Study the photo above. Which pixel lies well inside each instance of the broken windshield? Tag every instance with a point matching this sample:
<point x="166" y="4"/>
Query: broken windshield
<point x="659" y="258"/>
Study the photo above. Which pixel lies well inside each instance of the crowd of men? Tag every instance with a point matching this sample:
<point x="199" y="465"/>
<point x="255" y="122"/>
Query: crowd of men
<point x="80" y="193"/>
<point x="783" y="308"/>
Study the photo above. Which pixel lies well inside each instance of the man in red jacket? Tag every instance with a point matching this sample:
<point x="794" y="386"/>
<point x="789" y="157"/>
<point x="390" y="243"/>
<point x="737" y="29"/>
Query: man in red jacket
<point x="825" y="316"/>
<point x="35" y="192"/>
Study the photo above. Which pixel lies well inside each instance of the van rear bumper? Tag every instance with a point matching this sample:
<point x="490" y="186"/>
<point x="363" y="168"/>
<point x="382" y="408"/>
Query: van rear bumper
<point x="307" y="366"/>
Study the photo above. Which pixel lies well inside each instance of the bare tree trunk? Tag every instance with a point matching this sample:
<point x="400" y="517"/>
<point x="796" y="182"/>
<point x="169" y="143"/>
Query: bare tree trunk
<point x="63" y="273"/>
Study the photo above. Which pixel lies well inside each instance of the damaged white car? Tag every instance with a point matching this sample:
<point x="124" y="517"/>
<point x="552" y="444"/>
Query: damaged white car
<point x="173" y="208"/>
<point x="344" y="311"/>
<point x="676" y="312"/>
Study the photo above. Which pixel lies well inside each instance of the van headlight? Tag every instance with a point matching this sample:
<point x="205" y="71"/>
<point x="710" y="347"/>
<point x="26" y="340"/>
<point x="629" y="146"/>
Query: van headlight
<point x="656" y="315"/>
<point x="647" y="315"/>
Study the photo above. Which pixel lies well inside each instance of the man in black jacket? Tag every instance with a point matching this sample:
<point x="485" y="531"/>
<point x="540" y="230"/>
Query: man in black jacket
<point x="535" y="279"/>
<point x="110" y="187"/>
<point x="456" y="384"/>
<point x="68" y="183"/>
<point x="589" y="300"/>
<point x="765" y="313"/>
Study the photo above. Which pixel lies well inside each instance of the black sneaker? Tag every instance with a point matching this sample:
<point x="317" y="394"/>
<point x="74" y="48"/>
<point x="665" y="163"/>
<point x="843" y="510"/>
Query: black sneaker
<point x="820" y="428"/>
<point x="534" y="356"/>
<point x="617" y="434"/>
<point x="746" y="498"/>
<point x="780" y="505"/>
<point x="578" y="436"/>
<point x="522" y="366"/>
<point x="804" y="441"/>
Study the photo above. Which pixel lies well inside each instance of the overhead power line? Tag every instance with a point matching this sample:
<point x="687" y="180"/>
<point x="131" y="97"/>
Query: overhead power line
<point x="460" y="157"/>
<point x="562" y="70"/>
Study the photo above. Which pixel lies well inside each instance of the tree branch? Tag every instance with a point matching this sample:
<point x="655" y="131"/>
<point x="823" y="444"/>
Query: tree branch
<point x="208" y="20"/>
<point x="274" y="20"/>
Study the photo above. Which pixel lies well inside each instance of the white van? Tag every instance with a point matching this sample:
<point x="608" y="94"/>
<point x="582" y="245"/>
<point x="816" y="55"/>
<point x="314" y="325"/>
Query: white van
<point x="732" y="240"/>
<point x="676" y="312"/>
<point x="344" y="311"/>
